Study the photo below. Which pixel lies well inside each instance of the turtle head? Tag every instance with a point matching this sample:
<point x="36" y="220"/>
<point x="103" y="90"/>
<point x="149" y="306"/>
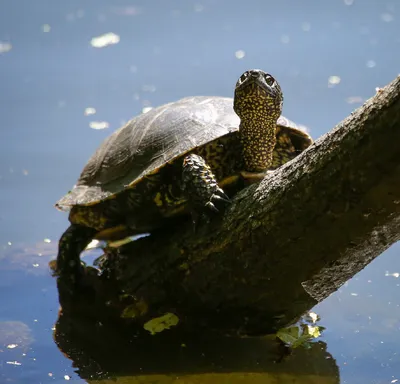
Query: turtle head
<point x="258" y="102"/>
<point x="258" y="96"/>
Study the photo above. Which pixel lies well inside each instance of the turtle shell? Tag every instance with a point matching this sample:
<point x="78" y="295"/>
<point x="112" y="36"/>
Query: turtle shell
<point x="151" y="140"/>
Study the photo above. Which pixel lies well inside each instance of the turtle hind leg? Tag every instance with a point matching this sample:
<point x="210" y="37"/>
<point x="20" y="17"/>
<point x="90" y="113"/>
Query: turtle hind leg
<point x="201" y="187"/>
<point x="72" y="242"/>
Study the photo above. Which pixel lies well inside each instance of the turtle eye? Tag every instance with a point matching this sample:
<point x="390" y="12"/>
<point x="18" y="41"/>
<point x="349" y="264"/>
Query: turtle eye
<point x="244" y="76"/>
<point x="269" y="80"/>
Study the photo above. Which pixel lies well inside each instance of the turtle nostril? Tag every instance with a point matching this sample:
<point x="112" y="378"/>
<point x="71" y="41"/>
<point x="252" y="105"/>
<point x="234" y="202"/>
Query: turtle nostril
<point x="254" y="74"/>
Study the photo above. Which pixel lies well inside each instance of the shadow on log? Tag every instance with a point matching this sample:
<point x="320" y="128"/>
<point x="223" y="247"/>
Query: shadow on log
<point x="284" y="244"/>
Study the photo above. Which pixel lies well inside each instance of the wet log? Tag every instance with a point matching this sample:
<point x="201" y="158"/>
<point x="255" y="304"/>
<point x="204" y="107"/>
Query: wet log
<point x="283" y="244"/>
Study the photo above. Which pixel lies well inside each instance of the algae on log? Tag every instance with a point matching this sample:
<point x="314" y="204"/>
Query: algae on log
<point x="285" y="243"/>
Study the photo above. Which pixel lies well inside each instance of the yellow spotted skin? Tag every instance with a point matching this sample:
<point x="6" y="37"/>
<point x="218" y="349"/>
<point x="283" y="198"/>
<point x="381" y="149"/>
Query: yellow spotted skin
<point x="258" y="104"/>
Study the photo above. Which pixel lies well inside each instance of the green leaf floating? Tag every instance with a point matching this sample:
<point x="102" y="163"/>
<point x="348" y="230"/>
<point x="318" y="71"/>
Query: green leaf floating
<point x="159" y="324"/>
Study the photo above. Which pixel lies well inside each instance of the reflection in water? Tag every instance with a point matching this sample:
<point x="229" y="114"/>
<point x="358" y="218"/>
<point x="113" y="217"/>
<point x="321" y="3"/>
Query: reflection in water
<point x="92" y="333"/>
<point x="102" y="350"/>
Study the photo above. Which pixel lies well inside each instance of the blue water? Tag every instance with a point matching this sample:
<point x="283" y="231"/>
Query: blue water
<point x="50" y="73"/>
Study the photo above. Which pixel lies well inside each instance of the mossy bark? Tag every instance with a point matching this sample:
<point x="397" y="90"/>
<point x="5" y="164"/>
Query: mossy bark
<point x="285" y="243"/>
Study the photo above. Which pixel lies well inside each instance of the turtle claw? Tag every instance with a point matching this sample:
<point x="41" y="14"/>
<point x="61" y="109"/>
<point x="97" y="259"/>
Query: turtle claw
<point x="211" y="206"/>
<point x="218" y="199"/>
<point x="220" y="195"/>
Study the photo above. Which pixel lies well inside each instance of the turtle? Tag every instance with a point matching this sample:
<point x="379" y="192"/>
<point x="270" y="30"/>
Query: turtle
<point x="188" y="156"/>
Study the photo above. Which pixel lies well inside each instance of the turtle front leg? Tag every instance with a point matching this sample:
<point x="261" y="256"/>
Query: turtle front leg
<point x="200" y="186"/>
<point x="73" y="241"/>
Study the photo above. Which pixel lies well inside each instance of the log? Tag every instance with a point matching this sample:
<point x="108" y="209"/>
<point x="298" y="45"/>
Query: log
<point x="283" y="244"/>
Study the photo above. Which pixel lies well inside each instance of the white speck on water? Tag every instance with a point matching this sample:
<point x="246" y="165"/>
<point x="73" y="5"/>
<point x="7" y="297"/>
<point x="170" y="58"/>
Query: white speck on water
<point x="387" y="17"/>
<point x="333" y="80"/>
<point x="46" y="28"/>
<point x="35" y="265"/>
<point x="240" y="54"/>
<point x="5" y="47"/>
<point x="105" y="40"/>
<point x="306" y="26"/>
<point x="13" y="363"/>
<point x="98" y="124"/>
<point x="285" y="39"/>
<point x="9" y="243"/>
<point x="47" y="240"/>
<point x="12" y="346"/>
<point x="395" y="274"/>
<point x="66" y="377"/>
<point x="89" y="111"/>
<point x="354" y="294"/>
<point x="371" y="64"/>
<point x="146" y="109"/>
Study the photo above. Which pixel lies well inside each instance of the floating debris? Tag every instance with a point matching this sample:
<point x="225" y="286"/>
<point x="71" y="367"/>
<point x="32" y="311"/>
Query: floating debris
<point x="5" y="47"/>
<point x="13" y="363"/>
<point x="89" y="111"/>
<point x="240" y="54"/>
<point x="46" y="28"/>
<point x="313" y="316"/>
<point x="161" y="323"/>
<point x="333" y="80"/>
<point x="299" y="335"/>
<point x="395" y="274"/>
<point x="98" y="124"/>
<point x="47" y="240"/>
<point x="105" y="40"/>
<point x="12" y="346"/>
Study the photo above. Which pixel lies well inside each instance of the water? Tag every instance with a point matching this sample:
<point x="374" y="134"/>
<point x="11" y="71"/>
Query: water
<point x="50" y="73"/>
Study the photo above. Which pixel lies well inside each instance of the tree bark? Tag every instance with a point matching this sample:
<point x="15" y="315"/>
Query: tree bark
<point x="283" y="244"/>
